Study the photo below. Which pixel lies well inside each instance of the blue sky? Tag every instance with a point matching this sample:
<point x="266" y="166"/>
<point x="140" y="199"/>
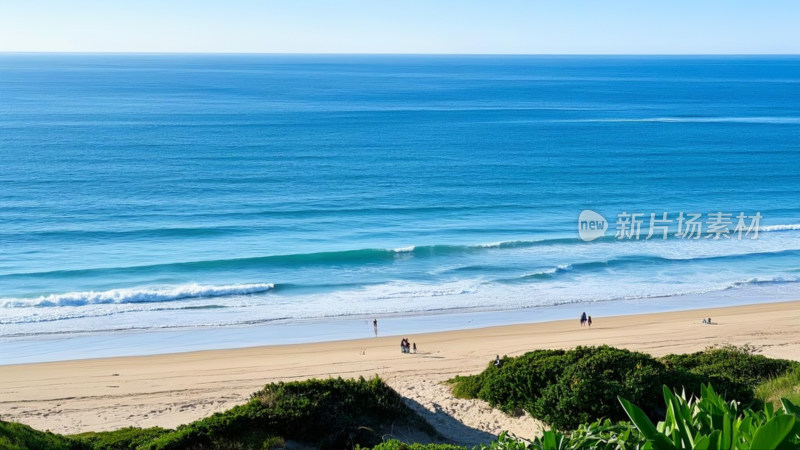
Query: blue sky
<point x="407" y="26"/>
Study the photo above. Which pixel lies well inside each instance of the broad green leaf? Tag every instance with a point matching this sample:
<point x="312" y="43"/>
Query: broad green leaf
<point x="715" y="438"/>
<point x="726" y="436"/>
<point x="639" y="418"/>
<point x="549" y="440"/>
<point x="702" y="443"/>
<point x="657" y="440"/>
<point x="744" y="427"/>
<point x="676" y="414"/>
<point x="773" y="432"/>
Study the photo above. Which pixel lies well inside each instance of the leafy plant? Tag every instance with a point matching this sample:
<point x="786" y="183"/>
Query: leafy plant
<point x="702" y="423"/>
<point x="709" y="422"/>
<point x="504" y="442"/>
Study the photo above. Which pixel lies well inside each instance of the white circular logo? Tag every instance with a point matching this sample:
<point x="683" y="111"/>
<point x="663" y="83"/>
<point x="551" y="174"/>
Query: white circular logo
<point x="591" y="225"/>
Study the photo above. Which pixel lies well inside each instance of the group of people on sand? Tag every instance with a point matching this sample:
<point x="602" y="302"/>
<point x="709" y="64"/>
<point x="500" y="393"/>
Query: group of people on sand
<point x="407" y="347"/>
<point x="707" y="321"/>
<point x="586" y="320"/>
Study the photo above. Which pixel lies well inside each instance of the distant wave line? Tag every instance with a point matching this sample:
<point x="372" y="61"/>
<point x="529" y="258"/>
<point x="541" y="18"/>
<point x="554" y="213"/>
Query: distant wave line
<point x="361" y="256"/>
<point x="630" y="261"/>
<point x="141" y="295"/>
<point x="341" y="257"/>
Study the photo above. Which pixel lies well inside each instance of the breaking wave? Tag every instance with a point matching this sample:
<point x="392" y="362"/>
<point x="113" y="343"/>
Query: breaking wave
<point x="189" y="291"/>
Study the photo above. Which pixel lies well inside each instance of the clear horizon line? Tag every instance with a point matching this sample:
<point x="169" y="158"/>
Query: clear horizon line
<point x="42" y="52"/>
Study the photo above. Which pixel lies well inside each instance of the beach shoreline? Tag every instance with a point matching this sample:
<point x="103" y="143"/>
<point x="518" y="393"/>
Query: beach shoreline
<point x="147" y="342"/>
<point x="171" y="389"/>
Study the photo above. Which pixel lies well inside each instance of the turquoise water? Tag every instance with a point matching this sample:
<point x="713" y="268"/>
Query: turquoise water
<point x="151" y="192"/>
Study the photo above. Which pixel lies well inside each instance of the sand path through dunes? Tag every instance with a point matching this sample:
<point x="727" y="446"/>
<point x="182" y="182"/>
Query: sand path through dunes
<point x="169" y="390"/>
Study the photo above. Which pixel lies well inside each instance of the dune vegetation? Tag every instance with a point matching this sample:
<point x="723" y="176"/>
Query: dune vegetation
<point x="566" y="388"/>
<point x="332" y="413"/>
<point x="593" y="398"/>
<point x="783" y="386"/>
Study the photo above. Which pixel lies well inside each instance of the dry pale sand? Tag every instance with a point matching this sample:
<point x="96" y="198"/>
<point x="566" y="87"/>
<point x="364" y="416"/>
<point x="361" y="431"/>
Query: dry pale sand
<point x="168" y="390"/>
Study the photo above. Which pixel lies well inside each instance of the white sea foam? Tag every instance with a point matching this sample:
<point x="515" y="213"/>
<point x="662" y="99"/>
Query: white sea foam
<point x="779" y="227"/>
<point x="492" y="244"/>
<point x="760" y="281"/>
<point x="408" y="249"/>
<point x="148" y="295"/>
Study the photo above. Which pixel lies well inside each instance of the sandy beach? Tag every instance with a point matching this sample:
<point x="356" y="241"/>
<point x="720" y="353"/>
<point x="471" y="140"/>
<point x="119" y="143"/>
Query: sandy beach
<point x="169" y="390"/>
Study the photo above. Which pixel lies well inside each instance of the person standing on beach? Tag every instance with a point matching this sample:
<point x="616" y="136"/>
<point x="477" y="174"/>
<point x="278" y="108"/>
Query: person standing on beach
<point x="583" y="318"/>
<point x="375" y="326"/>
<point x="589" y="321"/>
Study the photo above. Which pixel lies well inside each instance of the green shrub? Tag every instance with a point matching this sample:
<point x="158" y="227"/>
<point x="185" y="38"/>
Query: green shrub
<point x="733" y="371"/>
<point x="123" y="439"/>
<point x="467" y="387"/>
<point x="397" y="445"/>
<point x="568" y="388"/>
<point x="333" y="413"/>
<point x="595" y="377"/>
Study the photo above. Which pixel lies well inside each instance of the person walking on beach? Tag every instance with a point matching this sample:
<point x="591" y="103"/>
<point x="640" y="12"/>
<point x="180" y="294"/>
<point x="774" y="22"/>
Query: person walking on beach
<point x="583" y="318"/>
<point x="375" y="325"/>
<point x="414" y="347"/>
<point x="589" y="321"/>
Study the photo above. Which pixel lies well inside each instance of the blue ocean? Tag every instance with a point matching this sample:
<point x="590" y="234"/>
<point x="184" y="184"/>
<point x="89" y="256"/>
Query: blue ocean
<point x="146" y="193"/>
